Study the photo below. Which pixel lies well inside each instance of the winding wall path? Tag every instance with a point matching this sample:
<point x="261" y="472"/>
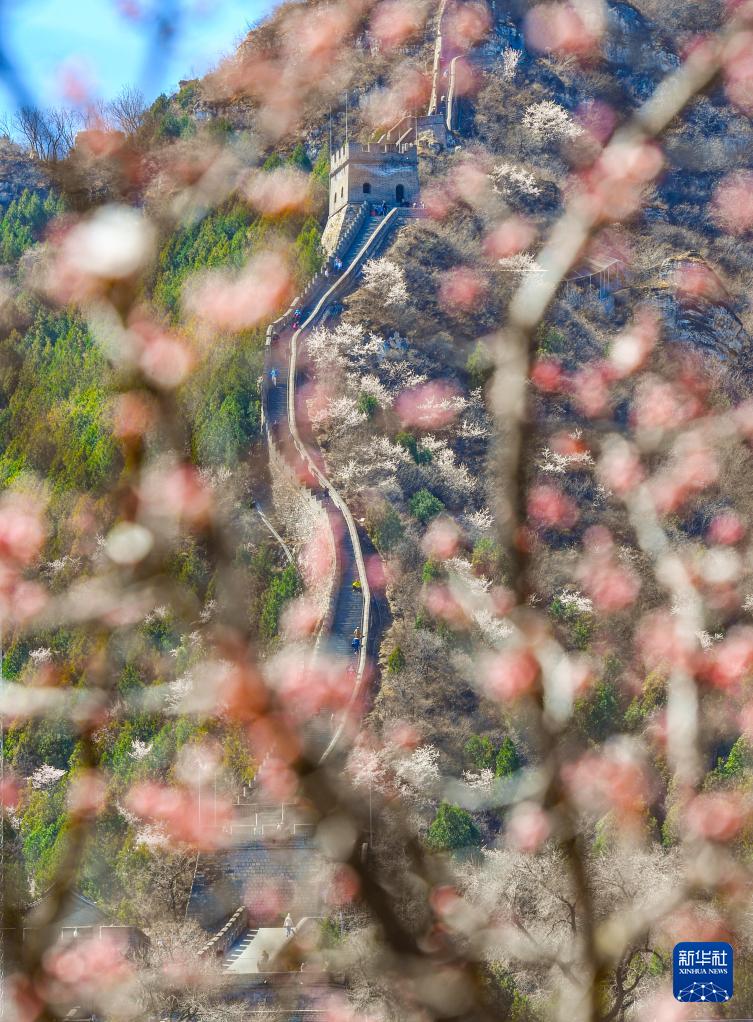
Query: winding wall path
<point x="221" y="883"/>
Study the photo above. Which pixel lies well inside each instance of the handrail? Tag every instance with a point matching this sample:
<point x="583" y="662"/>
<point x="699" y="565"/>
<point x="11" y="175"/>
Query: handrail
<point x="237" y="922"/>
<point x="337" y="500"/>
<point x="450" y="102"/>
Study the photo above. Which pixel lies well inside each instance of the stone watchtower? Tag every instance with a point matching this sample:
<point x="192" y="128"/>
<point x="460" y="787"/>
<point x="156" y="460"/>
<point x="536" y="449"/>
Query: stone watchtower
<point x="377" y="172"/>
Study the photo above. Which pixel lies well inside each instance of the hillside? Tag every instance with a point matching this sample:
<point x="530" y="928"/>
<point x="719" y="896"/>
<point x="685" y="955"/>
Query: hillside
<point x="368" y="544"/>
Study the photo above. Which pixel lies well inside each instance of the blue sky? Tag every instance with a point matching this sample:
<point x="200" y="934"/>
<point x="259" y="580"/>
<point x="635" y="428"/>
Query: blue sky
<point x="107" y="49"/>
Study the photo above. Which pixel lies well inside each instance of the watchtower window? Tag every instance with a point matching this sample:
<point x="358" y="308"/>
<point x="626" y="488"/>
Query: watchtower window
<point x="399" y="193"/>
<point x="366" y="188"/>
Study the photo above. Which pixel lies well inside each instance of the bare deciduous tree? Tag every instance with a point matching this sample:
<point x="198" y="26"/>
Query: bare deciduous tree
<point x="127" y="110"/>
<point x="49" y="134"/>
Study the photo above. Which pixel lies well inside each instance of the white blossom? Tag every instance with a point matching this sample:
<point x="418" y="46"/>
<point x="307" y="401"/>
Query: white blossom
<point x="40" y="656"/>
<point x="152" y="837"/>
<point x="139" y="750"/>
<point x="548" y="121"/>
<point x="482" y="781"/>
<point x="509" y="180"/>
<point x="479" y="523"/>
<point x="45" y="776"/>
<point x="372" y="385"/>
<point x="386" y="279"/>
<point x="510" y="61"/>
<point x="521" y="262"/>
<point x="575" y="600"/>
<point x="420" y="770"/>
<point x="553" y="462"/>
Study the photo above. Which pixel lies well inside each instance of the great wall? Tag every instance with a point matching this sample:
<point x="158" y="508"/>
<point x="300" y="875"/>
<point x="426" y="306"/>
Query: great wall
<point x="270" y="865"/>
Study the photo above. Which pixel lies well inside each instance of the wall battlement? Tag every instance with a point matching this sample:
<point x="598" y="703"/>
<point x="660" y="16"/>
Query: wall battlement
<point x="374" y="172"/>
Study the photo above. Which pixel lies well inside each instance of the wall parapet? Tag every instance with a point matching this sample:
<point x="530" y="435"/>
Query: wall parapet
<point x="219" y="944"/>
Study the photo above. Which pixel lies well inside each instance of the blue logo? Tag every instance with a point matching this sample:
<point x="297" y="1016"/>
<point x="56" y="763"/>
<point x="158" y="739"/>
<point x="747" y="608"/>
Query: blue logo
<point x="702" y="970"/>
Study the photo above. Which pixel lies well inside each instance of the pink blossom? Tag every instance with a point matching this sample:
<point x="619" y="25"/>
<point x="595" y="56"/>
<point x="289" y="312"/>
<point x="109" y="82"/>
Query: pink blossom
<point x="716" y="816"/>
<point x="466" y="24"/>
<point x="376" y="573"/>
<point x="240" y="302"/>
<point x="727" y="664"/>
<point x="395" y="21"/>
<point x="180" y="813"/>
<point x="528" y="827"/>
<point x="614" y="185"/>
<point x="442" y="539"/>
<point x="630" y="349"/>
<point x="299" y="618"/>
<point x="696" y="280"/>
<point x="87" y="966"/>
<point x="271" y="736"/>
<point x="402" y="735"/>
<point x="512" y="236"/>
<point x="661" y="643"/>
<point x="733" y="203"/>
<point x="25" y="1002"/>
<point x="467" y="79"/>
<point x="611" y="585"/>
<point x="662" y="405"/>
<point x="280" y="191"/>
<point x="87" y="793"/>
<point x="22" y="530"/>
<point x="597" y="119"/>
<point x="620" y="468"/>
<point x="738" y="70"/>
<point x="510" y="675"/>
<point x="437" y="201"/>
<point x="441" y="603"/>
<point x="133" y="416"/>
<point x="428" y="405"/>
<point x="307" y="687"/>
<point x="10" y="791"/>
<point x="590" y="388"/>
<point x="179" y="493"/>
<point x="549" y="507"/>
<point x="343" y="886"/>
<point x="726" y="528"/>
<point x="470" y="181"/>
<point x="606" y="780"/>
<point x="242" y="694"/>
<point x="548" y="375"/>
<point x="559" y="28"/>
<point x="460" y="288"/>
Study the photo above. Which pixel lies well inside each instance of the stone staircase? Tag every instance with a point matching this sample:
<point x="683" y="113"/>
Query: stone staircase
<point x="239" y="948"/>
<point x="364" y="235"/>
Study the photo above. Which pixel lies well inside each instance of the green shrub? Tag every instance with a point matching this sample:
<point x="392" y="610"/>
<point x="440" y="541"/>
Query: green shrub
<point x="282" y="588"/>
<point x="299" y="159"/>
<point x="452" y="828"/>
<point x="424" y="505"/>
<point x="598" y="714"/>
<point x="320" y="170"/>
<point x="551" y="341"/>
<point x="386" y="530"/>
<point x="479" y="366"/>
<point x="486" y="558"/>
<point x="308" y="249"/>
<point x="396" y="661"/>
<point x="508" y="761"/>
<point x="367" y="404"/>
<point x="432" y="571"/>
<point x="740" y="759"/>
<point x="579" y="623"/>
<point x="479" y="752"/>
<point x="421" y="455"/>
